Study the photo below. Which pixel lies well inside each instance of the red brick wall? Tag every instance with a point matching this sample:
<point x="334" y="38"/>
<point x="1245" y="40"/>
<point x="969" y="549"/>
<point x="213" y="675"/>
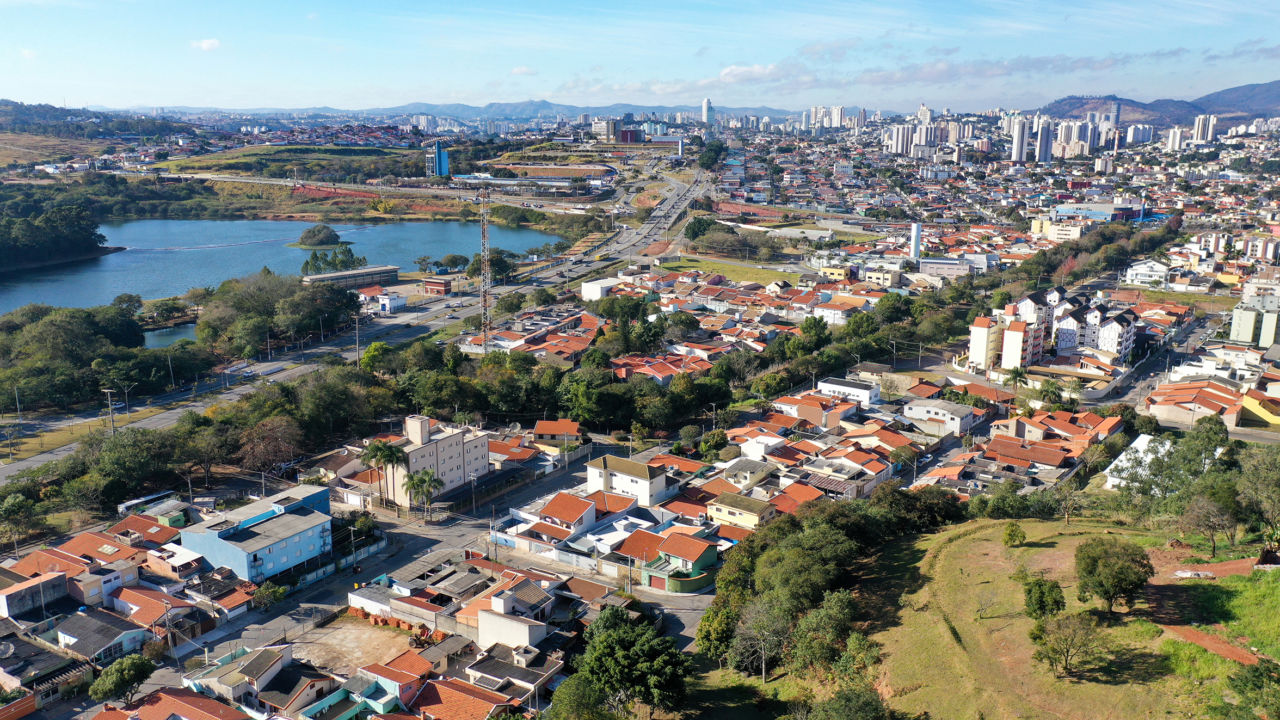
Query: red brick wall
<point x="18" y="708"/>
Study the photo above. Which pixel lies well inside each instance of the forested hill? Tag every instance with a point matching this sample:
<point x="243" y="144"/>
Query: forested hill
<point x="69" y="123"/>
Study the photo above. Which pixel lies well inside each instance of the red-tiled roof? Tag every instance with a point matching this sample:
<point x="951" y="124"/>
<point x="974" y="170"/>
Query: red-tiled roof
<point x="685" y="547"/>
<point x="557" y="427"/>
<point x="566" y="508"/>
<point x="452" y="699"/>
<point x="148" y="527"/>
<point x="169" y="703"/>
<point x="641" y="545"/>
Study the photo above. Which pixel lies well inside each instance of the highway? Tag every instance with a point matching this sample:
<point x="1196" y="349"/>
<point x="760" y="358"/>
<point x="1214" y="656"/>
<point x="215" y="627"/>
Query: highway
<point x="400" y="328"/>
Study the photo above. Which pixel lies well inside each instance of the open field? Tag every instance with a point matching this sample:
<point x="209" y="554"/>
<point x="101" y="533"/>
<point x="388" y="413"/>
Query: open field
<point x="257" y="159"/>
<point x="1208" y="303"/>
<point x="22" y="148"/>
<point x="959" y="646"/>
<point x="349" y="643"/>
<point x="737" y="273"/>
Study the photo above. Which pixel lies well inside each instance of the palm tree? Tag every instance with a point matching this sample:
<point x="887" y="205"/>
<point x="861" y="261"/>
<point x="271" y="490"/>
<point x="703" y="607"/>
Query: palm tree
<point x="1050" y="391"/>
<point x="383" y="455"/>
<point x="423" y="485"/>
<point x="1015" y="378"/>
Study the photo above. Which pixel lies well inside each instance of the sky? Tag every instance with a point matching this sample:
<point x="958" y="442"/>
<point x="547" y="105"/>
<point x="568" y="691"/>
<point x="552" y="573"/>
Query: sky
<point x="888" y="54"/>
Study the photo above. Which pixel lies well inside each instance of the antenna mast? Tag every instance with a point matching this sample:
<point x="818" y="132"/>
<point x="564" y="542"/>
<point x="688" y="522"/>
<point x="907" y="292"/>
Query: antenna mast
<point x="486" y="272"/>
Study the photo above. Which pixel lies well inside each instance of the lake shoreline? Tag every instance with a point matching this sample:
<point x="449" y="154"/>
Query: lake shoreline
<point x="99" y="252"/>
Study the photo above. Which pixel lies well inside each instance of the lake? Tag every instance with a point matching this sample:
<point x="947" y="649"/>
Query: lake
<point x="169" y="257"/>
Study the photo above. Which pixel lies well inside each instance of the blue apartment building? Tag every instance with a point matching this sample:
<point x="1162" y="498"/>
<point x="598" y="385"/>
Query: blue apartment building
<point x="267" y="537"/>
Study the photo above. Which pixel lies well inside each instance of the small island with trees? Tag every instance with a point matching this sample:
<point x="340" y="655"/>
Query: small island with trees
<point x="319" y="237"/>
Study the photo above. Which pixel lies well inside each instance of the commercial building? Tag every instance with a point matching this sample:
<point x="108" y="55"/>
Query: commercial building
<point x="268" y="537"/>
<point x="363" y="277"/>
<point x="438" y="160"/>
<point x="1019" y="130"/>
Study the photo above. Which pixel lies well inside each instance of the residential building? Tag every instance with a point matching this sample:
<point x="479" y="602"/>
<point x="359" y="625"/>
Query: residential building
<point x="98" y="636"/>
<point x="172" y="704"/>
<point x="457" y="454"/>
<point x="986" y="340"/>
<point x="864" y="393"/>
<point x="1255" y="321"/>
<point x="1151" y="273"/>
<point x="740" y="510"/>
<point x="612" y="474"/>
<point x="940" y="417"/>
<point x="271" y="536"/>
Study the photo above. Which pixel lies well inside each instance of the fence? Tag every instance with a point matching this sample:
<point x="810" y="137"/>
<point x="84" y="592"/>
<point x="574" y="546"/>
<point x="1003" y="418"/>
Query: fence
<point x="361" y="554"/>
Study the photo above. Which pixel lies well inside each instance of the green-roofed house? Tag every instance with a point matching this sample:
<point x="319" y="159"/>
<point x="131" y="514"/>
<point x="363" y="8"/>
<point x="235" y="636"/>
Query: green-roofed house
<point x="649" y="485"/>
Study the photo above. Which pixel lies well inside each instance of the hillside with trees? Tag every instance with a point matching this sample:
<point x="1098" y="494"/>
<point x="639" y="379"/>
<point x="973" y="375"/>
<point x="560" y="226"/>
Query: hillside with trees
<point x="72" y="123"/>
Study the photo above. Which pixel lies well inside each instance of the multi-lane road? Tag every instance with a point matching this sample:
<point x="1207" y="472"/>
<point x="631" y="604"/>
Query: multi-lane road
<point x="403" y="327"/>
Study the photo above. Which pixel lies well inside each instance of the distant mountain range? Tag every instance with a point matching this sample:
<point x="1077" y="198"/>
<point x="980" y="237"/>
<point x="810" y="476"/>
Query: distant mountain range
<point x="495" y="111"/>
<point x="1245" y="101"/>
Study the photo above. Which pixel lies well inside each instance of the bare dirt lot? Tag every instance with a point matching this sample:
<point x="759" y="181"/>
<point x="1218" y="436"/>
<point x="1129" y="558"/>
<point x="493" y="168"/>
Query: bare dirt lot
<point x="347" y="643"/>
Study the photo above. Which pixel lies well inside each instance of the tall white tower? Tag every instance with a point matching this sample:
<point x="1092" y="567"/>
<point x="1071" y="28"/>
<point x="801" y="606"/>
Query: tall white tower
<point x="708" y="112"/>
<point x="1018" y="129"/>
<point x="915" y="241"/>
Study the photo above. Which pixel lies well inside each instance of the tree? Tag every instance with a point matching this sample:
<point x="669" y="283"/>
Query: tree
<point x="1112" y="569"/>
<point x="1043" y="598"/>
<point x="542" y="297"/>
<point x="1206" y="516"/>
<point x="905" y="455"/>
<point x="1259" y="484"/>
<point x="510" y="302"/>
<point x="17" y="515"/>
<point x="578" y="698"/>
<point x="892" y="307"/>
<point x="423" y="485"/>
<point x="272" y="441"/>
<point x="630" y="662"/>
<point x="424" y="263"/>
<point x="377" y="357"/>
<point x="122" y="679"/>
<point x="855" y="701"/>
<point x="1049" y="391"/>
<point x="1014" y="535"/>
<point x="760" y="638"/>
<point x="819" y="638"/>
<point x="453" y="261"/>
<point x="382" y="455"/>
<point x="318" y="235"/>
<point x="715" y="631"/>
<point x="268" y="594"/>
<point x="1015" y="378"/>
<point x="1067" y="641"/>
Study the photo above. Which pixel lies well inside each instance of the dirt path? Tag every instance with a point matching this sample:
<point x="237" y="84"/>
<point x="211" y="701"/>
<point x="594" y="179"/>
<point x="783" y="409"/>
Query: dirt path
<point x="1162" y="595"/>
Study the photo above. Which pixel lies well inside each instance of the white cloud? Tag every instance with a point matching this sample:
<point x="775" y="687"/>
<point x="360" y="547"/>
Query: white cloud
<point x="27" y="54"/>
<point x="206" y="45"/>
<point x="523" y="70"/>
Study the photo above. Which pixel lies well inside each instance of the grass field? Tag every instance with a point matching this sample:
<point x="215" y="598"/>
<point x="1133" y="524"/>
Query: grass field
<point x="22" y="148"/>
<point x="1208" y="303"/>
<point x="737" y="273"/>
<point x="959" y="646"/>
<point x="252" y="160"/>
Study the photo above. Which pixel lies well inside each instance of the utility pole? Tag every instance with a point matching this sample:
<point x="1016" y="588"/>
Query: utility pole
<point x="17" y="401"/>
<point x="172" y="383"/>
<point x="110" y="409"/>
<point x="126" y="398"/>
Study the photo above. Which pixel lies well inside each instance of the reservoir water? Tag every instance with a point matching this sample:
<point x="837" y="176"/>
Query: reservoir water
<point x="169" y="257"/>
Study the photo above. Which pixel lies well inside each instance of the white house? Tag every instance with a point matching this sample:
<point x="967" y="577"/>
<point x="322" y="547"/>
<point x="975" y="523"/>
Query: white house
<point x="613" y="474"/>
<point x="1146" y="272"/>
<point x="1122" y="467"/>
<point x="598" y="289"/>
<point x="392" y="302"/>
<point x="939" y="417"/>
<point x="863" y="393"/>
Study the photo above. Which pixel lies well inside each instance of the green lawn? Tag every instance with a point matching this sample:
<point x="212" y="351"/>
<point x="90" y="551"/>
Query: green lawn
<point x="737" y="273"/>
<point x="958" y="646"/>
<point x="1208" y="303"/>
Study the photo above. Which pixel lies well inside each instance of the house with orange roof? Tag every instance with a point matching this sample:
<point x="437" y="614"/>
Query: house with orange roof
<point x="157" y="611"/>
<point x="557" y="433"/>
<point x="454" y="699"/>
<point x="171" y="703"/>
<point x="824" y="411"/>
<point x="1184" y="402"/>
<point x="88" y="581"/>
<point x="144" y="529"/>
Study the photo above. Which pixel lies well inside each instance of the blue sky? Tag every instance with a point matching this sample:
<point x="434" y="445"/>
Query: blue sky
<point x="892" y="54"/>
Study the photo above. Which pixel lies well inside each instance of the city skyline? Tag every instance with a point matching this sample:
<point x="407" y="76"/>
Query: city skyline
<point x="967" y="55"/>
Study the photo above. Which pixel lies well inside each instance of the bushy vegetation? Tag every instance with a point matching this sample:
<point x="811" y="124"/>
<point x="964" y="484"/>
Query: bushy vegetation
<point x="62" y="356"/>
<point x="55" y="234"/>
<point x="242" y="314"/>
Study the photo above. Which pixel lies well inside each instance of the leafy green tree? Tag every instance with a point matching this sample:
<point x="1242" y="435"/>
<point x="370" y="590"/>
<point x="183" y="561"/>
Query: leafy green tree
<point x="1065" y="642"/>
<point x="1258" y="484"/>
<point x="630" y="662"/>
<point x="424" y="263"/>
<point x="510" y="302"/>
<point x="715" y="631"/>
<point x="1112" y="570"/>
<point x="1208" y="518"/>
<point x="542" y="297"/>
<point x="578" y="698"/>
<point x="854" y="701"/>
<point x="453" y="261"/>
<point x="904" y="456"/>
<point x="1043" y="598"/>
<point x="1015" y="378"/>
<point x="819" y="638"/>
<point x="892" y="308"/>
<point x="269" y="594"/>
<point x="17" y="516"/>
<point x="378" y="357"/>
<point x="122" y="679"/>
<point x="1014" y="535"/>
